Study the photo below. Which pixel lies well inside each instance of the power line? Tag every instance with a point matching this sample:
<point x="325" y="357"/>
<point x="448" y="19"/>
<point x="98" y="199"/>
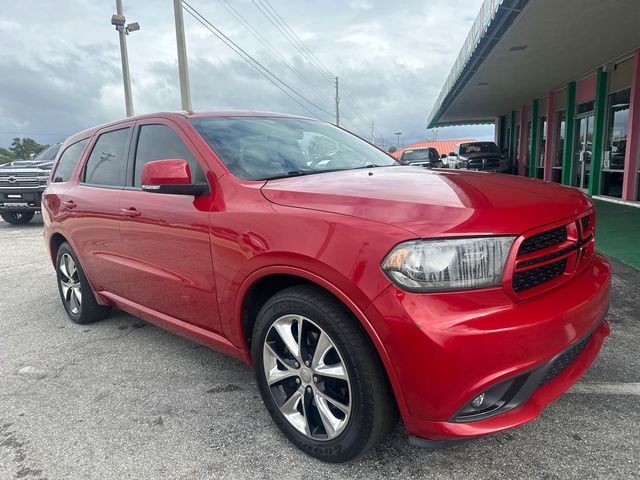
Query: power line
<point x="289" y="34"/>
<point x="285" y="30"/>
<point x="264" y="71"/>
<point x="228" y="6"/>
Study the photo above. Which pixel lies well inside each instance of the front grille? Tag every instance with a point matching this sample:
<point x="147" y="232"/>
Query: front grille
<point x="565" y="359"/>
<point x="20" y="183"/>
<point x="533" y="277"/>
<point x="483" y="163"/>
<point x="585" y="222"/>
<point x="542" y="240"/>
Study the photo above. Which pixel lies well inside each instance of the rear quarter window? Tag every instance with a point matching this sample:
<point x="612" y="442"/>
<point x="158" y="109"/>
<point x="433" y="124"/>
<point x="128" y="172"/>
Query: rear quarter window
<point x="68" y="161"/>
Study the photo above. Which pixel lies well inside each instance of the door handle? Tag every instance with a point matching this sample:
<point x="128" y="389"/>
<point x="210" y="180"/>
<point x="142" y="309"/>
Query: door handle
<point x="129" y="212"/>
<point x="69" y="204"/>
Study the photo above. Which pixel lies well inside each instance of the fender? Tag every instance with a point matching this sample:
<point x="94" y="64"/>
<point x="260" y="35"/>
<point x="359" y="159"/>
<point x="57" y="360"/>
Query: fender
<point x="99" y="298"/>
<point x="339" y="294"/>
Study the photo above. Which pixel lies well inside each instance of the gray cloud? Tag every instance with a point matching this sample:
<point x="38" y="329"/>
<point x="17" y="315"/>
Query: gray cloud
<point x="61" y="72"/>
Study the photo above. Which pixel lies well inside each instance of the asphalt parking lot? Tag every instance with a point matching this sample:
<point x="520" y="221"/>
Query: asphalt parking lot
<point x="123" y="399"/>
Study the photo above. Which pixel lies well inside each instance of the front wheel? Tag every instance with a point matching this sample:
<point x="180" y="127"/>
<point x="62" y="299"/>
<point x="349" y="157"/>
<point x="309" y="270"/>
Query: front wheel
<point x="319" y="376"/>
<point x="17" y="217"/>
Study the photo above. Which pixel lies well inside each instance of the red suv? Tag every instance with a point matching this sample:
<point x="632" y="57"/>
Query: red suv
<point x="356" y="287"/>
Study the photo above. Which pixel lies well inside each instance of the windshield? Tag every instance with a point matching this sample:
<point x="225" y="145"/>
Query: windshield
<point x="262" y="148"/>
<point x="420" y="154"/>
<point x="48" y="154"/>
<point x="480" y="147"/>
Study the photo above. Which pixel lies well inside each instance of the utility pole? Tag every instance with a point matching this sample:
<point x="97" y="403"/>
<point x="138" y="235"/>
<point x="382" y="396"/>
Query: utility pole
<point x="337" y="103"/>
<point x="397" y="134"/>
<point x="183" y="69"/>
<point x="119" y="21"/>
<point x="373" y="131"/>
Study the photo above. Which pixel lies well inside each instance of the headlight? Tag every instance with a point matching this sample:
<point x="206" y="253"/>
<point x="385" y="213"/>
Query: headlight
<point x="455" y="264"/>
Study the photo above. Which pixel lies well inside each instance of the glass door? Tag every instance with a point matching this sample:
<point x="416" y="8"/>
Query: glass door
<point x="583" y="150"/>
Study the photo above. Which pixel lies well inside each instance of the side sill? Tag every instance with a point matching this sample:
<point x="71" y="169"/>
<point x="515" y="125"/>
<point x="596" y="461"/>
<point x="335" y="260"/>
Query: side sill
<point x="197" y="334"/>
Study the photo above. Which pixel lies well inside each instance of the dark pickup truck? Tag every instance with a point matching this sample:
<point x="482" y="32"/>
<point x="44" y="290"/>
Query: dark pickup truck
<point x="480" y="156"/>
<point x="21" y="185"/>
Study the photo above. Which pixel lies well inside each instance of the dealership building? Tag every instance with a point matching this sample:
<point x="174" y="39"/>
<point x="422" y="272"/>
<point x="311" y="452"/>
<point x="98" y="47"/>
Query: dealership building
<point x="561" y="82"/>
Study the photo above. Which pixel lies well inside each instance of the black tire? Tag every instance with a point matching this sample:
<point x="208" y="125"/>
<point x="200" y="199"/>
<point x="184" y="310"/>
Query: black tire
<point x="17" y="217"/>
<point x="373" y="409"/>
<point x="88" y="310"/>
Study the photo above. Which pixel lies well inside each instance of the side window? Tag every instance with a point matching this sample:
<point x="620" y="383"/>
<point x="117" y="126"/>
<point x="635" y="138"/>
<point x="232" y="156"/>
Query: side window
<point x="107" y="164"/>
<point x="68" y="161"/>
<point x="159" y="142"/>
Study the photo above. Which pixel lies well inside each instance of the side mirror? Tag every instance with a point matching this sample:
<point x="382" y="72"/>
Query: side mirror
<point x="170" y="176"/>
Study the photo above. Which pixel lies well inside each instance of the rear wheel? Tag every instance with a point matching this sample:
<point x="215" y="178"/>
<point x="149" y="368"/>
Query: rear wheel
<point x="17" y="217"/>
<point x="75" y="291"/>
<point x="319" y="376"/>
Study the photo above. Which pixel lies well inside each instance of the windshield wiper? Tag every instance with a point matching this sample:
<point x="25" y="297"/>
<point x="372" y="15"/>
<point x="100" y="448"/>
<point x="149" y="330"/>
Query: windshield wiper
<point x="291" y="173"/>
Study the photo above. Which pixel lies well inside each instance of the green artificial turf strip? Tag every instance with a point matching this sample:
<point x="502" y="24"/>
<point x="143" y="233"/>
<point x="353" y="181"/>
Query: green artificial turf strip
<point x="618" y="231"/>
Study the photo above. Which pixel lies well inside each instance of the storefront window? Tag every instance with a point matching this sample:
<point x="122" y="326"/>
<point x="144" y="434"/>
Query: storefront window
<point x="528" y="159"/>
<point x="517" y="154"/>
<point x="561" y="129"/>
<point x="543" y="141"/>
<point x="616" y="143"/>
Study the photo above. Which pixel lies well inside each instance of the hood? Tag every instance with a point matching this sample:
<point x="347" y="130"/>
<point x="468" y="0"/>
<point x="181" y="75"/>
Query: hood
<point x="431" y="203"/>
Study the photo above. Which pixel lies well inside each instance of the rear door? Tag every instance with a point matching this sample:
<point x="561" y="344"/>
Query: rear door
<point x="165" y="238"/>
<point x="92" y="205"/>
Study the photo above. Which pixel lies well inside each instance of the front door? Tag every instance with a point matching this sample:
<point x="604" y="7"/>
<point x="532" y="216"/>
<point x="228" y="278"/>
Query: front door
<point x="582" y="152"/>
<point x="165" y="238"/>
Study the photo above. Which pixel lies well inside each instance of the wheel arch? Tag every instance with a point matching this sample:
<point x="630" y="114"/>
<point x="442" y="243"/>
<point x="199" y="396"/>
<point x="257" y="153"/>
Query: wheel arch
<point x="55" y="241"/>
<point x="262" y="285"/>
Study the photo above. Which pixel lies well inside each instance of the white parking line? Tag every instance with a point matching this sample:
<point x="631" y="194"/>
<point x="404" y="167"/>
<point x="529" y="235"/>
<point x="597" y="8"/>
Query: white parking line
<point x="607" y="388"/>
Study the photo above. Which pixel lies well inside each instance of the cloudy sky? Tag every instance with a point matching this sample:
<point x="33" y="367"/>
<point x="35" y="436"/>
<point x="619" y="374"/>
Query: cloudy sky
<point x="60" y="62"/>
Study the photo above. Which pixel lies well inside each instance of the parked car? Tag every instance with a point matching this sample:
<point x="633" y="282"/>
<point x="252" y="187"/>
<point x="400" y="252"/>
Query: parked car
<point x="21" y="185"/>
<point x="356" y="289"/>
<point x="422" y="157"/>
<point x="480" y="156"/>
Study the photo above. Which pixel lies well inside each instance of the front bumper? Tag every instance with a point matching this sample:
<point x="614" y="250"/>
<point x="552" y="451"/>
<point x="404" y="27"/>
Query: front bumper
<point x="447" y="348"/>
<point x="21" y="199"/>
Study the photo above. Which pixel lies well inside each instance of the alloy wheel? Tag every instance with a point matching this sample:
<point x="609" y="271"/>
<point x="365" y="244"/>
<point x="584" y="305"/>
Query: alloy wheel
<point x="307" y="377"/>
<point x="70" y="283"/>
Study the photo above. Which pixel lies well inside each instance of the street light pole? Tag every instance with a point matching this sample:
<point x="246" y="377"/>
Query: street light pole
<point x="183" y="68"/>
<point x="337" y="103"/>
<point x="397" y="134"/>
<point x="119" y="21"/>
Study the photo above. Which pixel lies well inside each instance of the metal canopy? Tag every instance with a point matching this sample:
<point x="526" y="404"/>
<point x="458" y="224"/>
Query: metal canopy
<point x="519" y="50"/>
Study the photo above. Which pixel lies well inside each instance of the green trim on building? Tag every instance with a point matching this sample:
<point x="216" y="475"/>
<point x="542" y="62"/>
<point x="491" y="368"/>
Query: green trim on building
<point x="600" y="111"/>
<point x="567" y="153"/>
<point x="512" y="141"/>
<point x="534" y="138"/>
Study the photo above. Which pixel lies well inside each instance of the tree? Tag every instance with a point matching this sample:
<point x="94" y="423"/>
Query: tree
<point x="5" y="155"/>
<point x="392" y="149"/>
<point x="23" y="148"/>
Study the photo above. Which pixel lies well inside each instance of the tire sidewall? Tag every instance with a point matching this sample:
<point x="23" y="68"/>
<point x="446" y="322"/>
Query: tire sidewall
<point x="350" y="441"/>
<point x="26" y="216"/>
<point x="65" y="248"/>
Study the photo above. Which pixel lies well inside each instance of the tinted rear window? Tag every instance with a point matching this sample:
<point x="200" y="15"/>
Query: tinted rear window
<point x="420" y="155"/>
<point x="107" y="164"/>
<point x="68" y="161"/>
<point x="481" y="147"/>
